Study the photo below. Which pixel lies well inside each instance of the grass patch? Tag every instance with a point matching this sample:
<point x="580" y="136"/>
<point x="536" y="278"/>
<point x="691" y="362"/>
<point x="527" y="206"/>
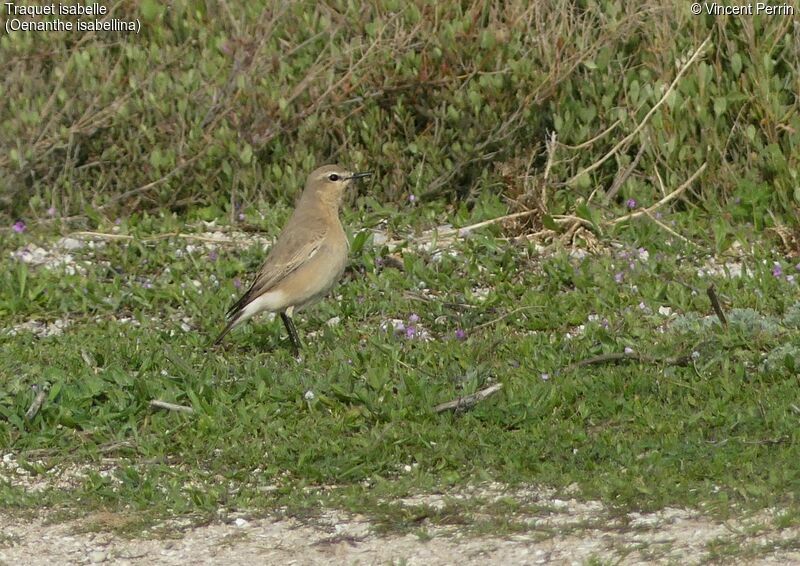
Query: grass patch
<point x="352" y="425"/>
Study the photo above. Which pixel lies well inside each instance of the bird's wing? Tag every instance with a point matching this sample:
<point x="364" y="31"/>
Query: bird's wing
<point x="293" y="249"/>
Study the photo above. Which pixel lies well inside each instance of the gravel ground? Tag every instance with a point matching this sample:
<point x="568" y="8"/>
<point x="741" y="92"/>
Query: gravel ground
<point x="569" y="532"/>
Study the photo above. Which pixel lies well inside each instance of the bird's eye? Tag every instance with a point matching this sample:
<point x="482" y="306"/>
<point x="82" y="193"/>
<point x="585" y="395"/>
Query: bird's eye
<point x="333" y="177"/>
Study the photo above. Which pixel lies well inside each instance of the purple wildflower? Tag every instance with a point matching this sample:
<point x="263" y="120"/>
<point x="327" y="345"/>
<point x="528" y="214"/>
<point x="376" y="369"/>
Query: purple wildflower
<point x="237" y="283"/>
<point x="411" y="332"/>
<point x="412" y="198"/>
<point x="461" y="335"/>
<point x="777" y="270"/>
<point x="618" y="277"/>
<point x="630" y="203"/>
<point x="19" y="227"/>
<point x="51" y="212"/>
<point x="797" y="267"/>
<point x="413" y="318"/>
<point x="118" y="221"/>
<point x="213" y="255"/>
<point x="241" y="216"/>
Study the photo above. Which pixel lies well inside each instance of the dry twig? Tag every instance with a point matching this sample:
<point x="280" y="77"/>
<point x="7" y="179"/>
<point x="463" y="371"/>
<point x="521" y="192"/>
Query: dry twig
<point x="38" y="401"/>
<point x="712" y="296"/>
<point x="156" y="404"/>
<point x="669" y="230"/>
<point x="627" y="139"/>
<point x="468" y="401"/>
<point x="623" y="176"/>
<point x="673" y="195"/>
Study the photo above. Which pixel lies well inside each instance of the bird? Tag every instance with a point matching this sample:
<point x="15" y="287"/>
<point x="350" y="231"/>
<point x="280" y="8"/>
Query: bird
<point x="307" y="259"/>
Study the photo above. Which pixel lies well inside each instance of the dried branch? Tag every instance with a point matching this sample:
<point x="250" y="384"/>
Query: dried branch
<point x="38" y="401"/>
<point x="623" y="176"/>
<point x="673" y="195"/>
<point x="712" y="295"/>
<point x="156" y="404"/>
<point x="670" y="230"/>
<point x="627" y="139"/>
<point x="468" y="401"/>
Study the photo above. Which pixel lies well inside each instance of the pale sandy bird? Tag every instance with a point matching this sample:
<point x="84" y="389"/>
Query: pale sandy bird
<point x="308" y="258"/>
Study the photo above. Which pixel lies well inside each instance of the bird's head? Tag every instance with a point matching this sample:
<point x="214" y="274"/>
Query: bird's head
<point x="329" y="182"/>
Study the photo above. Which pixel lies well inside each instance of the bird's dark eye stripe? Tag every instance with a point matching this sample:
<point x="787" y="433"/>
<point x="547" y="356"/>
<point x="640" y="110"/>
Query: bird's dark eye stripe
<point x="333" y="177"/>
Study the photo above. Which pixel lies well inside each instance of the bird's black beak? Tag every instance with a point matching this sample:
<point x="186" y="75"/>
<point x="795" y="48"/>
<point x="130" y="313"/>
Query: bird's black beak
<point x="360" y="175"/>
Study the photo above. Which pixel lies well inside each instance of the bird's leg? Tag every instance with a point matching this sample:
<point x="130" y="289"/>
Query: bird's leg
<point x="295" y="339"/>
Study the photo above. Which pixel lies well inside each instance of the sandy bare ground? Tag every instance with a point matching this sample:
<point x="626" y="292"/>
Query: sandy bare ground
<point x="568" y="532"/>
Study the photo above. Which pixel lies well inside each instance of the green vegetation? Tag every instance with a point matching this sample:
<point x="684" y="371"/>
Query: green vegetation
<point x="219" y="116"/>
<point x="208" y="111"/>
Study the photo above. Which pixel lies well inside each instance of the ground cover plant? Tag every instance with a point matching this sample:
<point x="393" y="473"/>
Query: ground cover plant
<point x="557" y="186"/>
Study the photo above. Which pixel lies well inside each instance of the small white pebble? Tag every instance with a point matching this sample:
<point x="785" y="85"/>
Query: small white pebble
<point x="97" y="556"/>
<point x="70" y="244"/>
<point x="379" y="237"/>
<point x="309" y="396"/>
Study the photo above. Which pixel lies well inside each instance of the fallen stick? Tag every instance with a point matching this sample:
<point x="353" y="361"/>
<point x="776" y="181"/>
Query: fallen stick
<point x="38" y="401"/>
<point x="468" y="401"/>
<point x="712" y="296"/>
<point x="156" y="404"/>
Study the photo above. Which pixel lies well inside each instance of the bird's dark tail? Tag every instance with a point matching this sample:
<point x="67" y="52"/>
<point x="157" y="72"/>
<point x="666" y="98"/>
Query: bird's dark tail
<point x="228" y="328"/>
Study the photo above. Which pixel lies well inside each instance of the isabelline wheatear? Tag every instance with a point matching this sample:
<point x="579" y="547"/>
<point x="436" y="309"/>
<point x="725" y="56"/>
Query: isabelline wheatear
<point x="308" y="258"/>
